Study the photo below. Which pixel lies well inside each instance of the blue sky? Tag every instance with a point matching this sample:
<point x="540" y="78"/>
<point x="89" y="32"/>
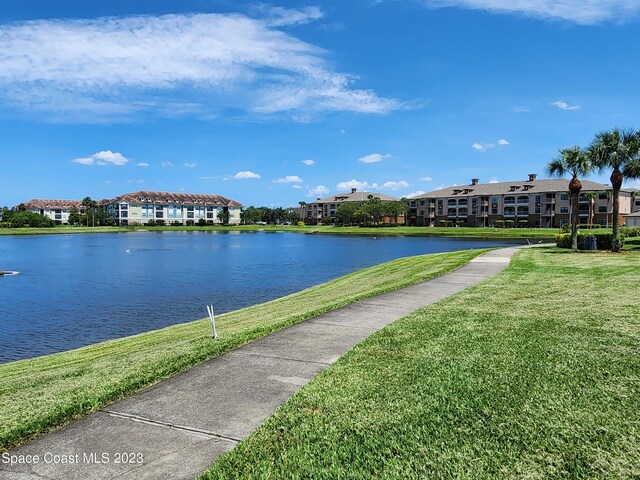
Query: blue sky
<point x="274" y="103"/>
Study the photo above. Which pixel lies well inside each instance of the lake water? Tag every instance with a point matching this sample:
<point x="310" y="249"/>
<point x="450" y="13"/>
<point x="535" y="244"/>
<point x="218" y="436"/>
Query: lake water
<point x="74" y="290"/>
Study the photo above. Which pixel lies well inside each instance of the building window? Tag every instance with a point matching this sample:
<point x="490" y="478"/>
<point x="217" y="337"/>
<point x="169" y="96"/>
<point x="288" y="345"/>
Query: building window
<point x="538" y="198"/>
<point x="451" y="201"/>
<point x="124" y="214"/>
<point x="451" y="212"/>
<point x="462" y="212"/>
<point x="603" y="196"/>
<point x="58" y="216"/>
<point x="602" y="209"/>
<point x="523" y="199"/>
<point x="463" y="201"/>
<point x="602" y="222"/>
<point x="509" y="211"/>
<point x="564" y="196"/>
<point x="564" y="209"/>
<point x="523" y="211"/>
<point x="124" y="206"/>
<point x="509" y="200"/>
<point x="494" y="205"/>
<point x="159" y="214"/>
<point x="564" y="222"/>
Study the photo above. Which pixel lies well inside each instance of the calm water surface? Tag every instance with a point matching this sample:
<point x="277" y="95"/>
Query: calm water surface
<point x="74" y="290"/>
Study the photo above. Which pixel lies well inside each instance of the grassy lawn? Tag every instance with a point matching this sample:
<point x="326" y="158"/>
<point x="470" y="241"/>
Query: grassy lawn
<point x="409" y="231"/>
<point x="532" y="374"/>
<point x="41" y="393"/>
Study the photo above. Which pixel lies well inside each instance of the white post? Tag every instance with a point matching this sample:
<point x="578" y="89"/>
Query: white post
<point x="213" y="320"/>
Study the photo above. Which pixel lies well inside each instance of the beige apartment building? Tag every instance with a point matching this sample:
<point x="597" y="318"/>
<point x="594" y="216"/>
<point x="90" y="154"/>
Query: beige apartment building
<point x="57" y="210"/>
<point x="532" y="202"/>
<point x="170" y="208"/>
<point x="312" y="213"/>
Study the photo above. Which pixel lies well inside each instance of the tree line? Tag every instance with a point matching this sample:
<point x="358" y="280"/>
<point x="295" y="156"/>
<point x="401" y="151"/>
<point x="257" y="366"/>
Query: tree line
<point x="371" y="212"/>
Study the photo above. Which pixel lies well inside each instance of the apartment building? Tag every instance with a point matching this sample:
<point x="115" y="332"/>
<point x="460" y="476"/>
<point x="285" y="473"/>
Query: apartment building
<point x="170" y="208"/>
<point x="312" y="213"/>
<point x="57" y="210"/>
<point x="531" y="202"/>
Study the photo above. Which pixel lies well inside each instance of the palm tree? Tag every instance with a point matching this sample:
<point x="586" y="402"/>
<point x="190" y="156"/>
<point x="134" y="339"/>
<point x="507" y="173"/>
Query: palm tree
<point x="618" y="150"/>
<point x="576" y="162"/>
<point x="591" y="196"/>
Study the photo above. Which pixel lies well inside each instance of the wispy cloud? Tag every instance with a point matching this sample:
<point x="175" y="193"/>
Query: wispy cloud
<point x="190" y="164"/>
<point x="426" y="179"/>
<point x="522" y="110"/>
<point x="142" y="164"/>
<point x="585" y="12"/>
<point x="297" y="187"/>
<point x="494" y="180"/>
<point x="105" y="157"/>
<point x="564" y="105"/>
<point x="349" y="184"/>
<point x="246" y="174"/>
<point x="318" y="190"/>
<point x="416" y="193"/>
<point x="483" y="147"/>
<point x="309" y="162"/>
<point x="288" y="179"/>
<point x="167" y="164"/>
<point x="374" y="157"/>
<point x="141" y="180"/>
<point x="200" y="64"/>
<point x="395" y="185"/>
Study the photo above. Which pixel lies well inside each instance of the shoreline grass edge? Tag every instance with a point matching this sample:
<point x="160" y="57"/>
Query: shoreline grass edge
<point x="44" y="393"/>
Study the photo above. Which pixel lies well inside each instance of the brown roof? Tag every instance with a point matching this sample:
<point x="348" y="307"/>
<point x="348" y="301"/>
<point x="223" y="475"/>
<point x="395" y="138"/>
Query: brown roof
<point x="504" y="188"/>
<point x="354" y="197"/>
<point x="49" y="204"/>
<point x="144" y="196"/>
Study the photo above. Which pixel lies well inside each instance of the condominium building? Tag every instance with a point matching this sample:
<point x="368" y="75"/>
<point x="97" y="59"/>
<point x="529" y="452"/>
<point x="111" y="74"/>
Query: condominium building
<point x="170" y="208"/>
<point x="313" y="213"/>
<point x="57" y="210"/>
<point x="531" y="202"/>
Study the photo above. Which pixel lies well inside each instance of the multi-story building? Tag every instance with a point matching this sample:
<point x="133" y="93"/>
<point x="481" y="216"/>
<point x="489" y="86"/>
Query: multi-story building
<point x="313" y="213"/>
<point x="57" y="210"/>
<point x="533" y="202"/>
<point x="170" y="208"/>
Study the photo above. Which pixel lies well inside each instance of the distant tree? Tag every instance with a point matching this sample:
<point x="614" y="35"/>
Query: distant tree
<point x="23" y="218"/>
<point x="591" y="196"/>
<point x="223" y="216"/>
<point x="90" y="207"/>
<point x="74" y="216"/>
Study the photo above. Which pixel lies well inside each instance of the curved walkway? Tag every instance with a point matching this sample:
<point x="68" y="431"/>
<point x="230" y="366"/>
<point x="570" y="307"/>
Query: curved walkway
<point x="177" y="428"/>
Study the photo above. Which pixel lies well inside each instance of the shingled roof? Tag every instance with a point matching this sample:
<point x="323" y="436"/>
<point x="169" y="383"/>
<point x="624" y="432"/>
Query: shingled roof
<point x="354" y="197"/>
<point x="144" y="196"/>
<point x="514" y="187"/>
<point x="52" y="204"/>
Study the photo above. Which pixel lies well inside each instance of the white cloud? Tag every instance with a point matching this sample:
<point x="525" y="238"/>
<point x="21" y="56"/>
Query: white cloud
<point x="297" y="187"/>
<point x="135" y="181"/>
<point x="343" y="131"/>
<point x="426" y="179"/>
<point x="105" y="157"/>
<point x="564" y="105"/>
<point x="482" y="147"/>
<point x="142" y="164"/>
<point x="190" y="164"/>
<point x="318" y="190"/>
<point x="502" y="141"/>
<point x="585" y="12"/>
<point x="416" y="193"/>
<point x="349" y="184"/>
<point x="308" y="162"/>
<point x="395" y="185"/>
<point x="494" y="180"/>
<point x="114" y="68"/>
<point x="288" y="179"/>
<point x="245" y="174"/>
<point x="374" y="158"/>
<point x="522" y="110"/>
<point x="167" y="164"/>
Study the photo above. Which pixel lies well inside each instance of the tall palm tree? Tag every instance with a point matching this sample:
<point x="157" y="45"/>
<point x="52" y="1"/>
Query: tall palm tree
<point x="618" y="150"/>
<point x="591" y="196"/>
<point x="576" y="162"/>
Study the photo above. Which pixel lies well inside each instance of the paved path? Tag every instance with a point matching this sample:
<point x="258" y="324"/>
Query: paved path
<point x="177" y="428"/>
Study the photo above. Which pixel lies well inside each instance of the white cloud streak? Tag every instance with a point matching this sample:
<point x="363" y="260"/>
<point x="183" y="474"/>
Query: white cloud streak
<point x="584" y="12"/>
<point x="309" y="162"/>
<point x="483" y="147"/>
<point x="142" y="164"/>
<point x="318" y="190"/>
<point x="564" y="105"/>
<point x="105" y="157"/>
<point x="374" y="157"/>
<point x="426" y="179"/>
<point x="167" y="164"/>
<point x="416" y="193"/>
<point x="288" y="179"/>
<point x="349" y="184"/>
<point x="395" y="185"/>
<point x="197" y="64"/>
<point x="246" y="174"/>
<point x="190" y="164"/>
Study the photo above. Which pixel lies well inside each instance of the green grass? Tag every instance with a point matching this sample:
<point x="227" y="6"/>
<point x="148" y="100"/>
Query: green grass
<point x="407" y="231"/>
<point x="41" y="393"/>
<point x="533" y="374"/>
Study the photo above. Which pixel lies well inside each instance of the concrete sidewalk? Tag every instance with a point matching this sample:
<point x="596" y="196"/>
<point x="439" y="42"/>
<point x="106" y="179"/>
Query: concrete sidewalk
<point x="177" y="428"/>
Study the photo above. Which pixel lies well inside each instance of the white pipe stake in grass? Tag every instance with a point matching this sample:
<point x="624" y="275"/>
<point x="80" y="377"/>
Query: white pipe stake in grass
<point x="213" y="320"/>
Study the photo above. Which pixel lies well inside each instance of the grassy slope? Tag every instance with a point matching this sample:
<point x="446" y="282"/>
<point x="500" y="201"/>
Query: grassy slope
<point x="38" y="394"/>
<point x="410" y="231"/>
<point x="532" y="374"/>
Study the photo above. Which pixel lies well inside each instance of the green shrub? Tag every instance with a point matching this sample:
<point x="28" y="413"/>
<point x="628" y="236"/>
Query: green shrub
<point x="301" y="224"/>
<point x="630" y="231"/>
<point x="151" y="223"/>
<point x="588" y="226"/>
<point x="604" y="240"/>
